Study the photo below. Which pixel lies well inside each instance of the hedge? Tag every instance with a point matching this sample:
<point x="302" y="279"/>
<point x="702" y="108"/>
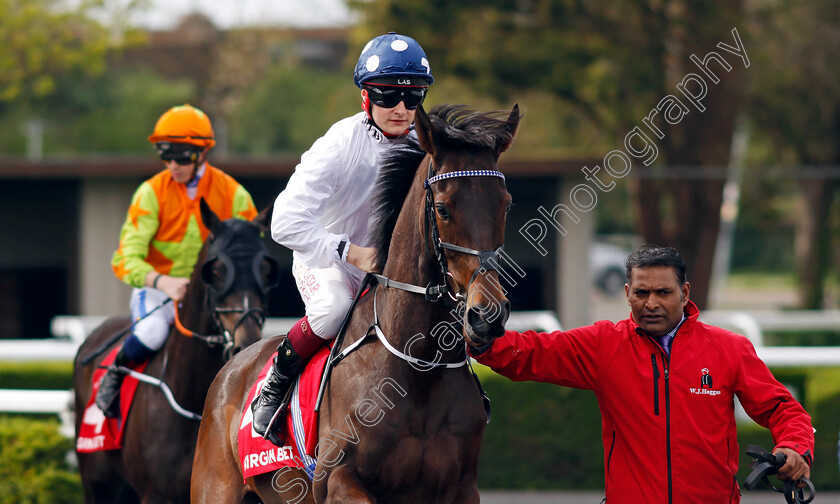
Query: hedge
<point x="34" y="467"/>
<point x="543" y="436"/>
<point x="36" y="375"/>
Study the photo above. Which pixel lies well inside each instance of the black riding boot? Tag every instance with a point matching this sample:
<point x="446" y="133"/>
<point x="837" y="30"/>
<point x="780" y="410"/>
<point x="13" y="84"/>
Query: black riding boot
<point x="108" y="395"/>
<point x="267" y="407"/>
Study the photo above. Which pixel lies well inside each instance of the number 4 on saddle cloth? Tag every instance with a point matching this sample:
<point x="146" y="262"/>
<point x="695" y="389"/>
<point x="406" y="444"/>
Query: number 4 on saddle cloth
<point x="258" y="455"/>
<point x="767" y="464"/>
<point x="97" y="432"/>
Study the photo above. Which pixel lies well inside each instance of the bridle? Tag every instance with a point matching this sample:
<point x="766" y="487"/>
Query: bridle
<point x="218" y="252"/>
<point x="488" y="259"/>
<point x="224" y="338"/>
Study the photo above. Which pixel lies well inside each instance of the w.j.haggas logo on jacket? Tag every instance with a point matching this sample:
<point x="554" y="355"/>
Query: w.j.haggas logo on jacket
<point x="705" y="384"/>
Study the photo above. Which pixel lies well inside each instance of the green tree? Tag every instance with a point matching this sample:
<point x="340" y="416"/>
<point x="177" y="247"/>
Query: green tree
<point x="613" y="61"/>
<point x="44" y="40"/>
<point x="796" y="106"/>
<point x="290" y="108"/>
<point x="114" y="112"/>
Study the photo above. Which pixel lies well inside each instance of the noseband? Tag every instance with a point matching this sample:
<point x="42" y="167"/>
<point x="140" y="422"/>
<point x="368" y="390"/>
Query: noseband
<point x="488" y="259"/>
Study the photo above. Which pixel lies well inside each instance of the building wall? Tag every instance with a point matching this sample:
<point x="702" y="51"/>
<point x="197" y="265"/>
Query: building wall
<point x="103" y="206"/>
<point x="61" y="222"/>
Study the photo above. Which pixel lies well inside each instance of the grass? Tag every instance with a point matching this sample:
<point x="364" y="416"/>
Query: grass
<point x="762" y="280"/>
<point x="47" y="375"/>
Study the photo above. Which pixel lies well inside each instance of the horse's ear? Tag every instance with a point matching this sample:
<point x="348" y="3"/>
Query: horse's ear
<point x="425" y="131"/>
<point x="512" y="125"/>
<point x="208" y="217"/>
<point x="263" y="219"/>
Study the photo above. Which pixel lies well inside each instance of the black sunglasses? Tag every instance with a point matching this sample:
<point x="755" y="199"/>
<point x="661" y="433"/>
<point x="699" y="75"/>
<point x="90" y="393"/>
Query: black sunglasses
<point x="181" y="154"/>
<point x="182" y="158"/>
<point x="391" y="96"/>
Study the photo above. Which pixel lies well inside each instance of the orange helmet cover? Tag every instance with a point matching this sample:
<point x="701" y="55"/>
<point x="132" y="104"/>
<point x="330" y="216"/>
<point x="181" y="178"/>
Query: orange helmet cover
<point x="184" y="124"/>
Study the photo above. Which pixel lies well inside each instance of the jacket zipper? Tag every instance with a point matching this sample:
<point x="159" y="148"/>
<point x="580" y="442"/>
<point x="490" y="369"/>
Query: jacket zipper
<point x="668" y="431"/>
<point x="655" y="384"/>
<point x="735" y="487"/>
<point x="609" y="459"/>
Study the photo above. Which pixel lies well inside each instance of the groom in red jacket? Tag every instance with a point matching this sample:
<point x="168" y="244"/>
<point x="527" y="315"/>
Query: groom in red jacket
<point x="665" y="384"/>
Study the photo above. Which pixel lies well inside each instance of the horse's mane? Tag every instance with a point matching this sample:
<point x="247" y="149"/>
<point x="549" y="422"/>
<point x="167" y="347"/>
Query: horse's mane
<point x="460" y="129"/>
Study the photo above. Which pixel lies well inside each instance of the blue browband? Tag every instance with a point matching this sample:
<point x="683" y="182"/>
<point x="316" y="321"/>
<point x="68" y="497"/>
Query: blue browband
<point x="465" y="173"/>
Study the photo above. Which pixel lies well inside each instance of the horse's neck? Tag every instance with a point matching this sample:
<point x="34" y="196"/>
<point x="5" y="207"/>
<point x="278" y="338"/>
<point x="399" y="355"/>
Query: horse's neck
<point x="189" y="356"/>
<point x="404" y="314"/>
<point x="194" y="314"/>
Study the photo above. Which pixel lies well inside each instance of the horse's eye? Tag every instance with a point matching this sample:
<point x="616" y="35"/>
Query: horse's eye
<point x="442" y="212"/>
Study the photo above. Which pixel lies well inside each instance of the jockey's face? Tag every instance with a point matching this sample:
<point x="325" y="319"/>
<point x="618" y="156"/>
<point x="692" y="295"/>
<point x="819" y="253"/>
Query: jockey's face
<point x="394" y="121"/>
<point x="180" y="173"/>
<point x="656" y="298"/>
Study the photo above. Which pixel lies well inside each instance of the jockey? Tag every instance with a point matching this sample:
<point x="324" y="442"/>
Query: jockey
<point x="163" y="234"/>
<point x="324" y="214"/>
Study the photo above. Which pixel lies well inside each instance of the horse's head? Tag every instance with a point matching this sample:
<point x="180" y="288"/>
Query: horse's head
<point x="466" y="207"/>
<point x="238" y="273"/>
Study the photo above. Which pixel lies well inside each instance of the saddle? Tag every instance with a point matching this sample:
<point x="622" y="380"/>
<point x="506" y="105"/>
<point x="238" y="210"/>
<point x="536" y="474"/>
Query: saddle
<point x="767" y="464"/>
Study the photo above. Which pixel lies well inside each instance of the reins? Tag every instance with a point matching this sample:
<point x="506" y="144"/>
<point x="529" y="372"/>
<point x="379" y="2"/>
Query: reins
<point x="167" y="392"/>
<point x="375" y="329"/>
<point x="767" y="464"/>
<point x="225" y="339"/>
<point x="106" y="345"/>
<point x="488" y="259"/>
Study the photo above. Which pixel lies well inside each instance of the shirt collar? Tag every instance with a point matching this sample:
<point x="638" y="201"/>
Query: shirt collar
<point x="677" y="328"/>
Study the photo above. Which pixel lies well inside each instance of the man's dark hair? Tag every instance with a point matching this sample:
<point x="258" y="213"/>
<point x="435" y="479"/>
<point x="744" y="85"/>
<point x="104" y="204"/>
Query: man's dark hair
<point x="656" y="255"/>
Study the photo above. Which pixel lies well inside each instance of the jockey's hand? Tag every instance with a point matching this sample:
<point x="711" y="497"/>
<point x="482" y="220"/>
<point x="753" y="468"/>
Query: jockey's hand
<point x="362" y="258"/>
<point x="173" y="287"/>
<point x="795" y="466"/>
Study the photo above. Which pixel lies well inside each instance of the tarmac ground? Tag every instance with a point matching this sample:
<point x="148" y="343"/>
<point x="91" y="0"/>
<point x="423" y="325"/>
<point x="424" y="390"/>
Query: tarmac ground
<point x="507" y="497"/>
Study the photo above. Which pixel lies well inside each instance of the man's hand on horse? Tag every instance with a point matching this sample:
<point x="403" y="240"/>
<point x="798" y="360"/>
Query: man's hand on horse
<point x="174" y="287"/>
<point x="363" y="258"/>
<point x="795" y="466"/>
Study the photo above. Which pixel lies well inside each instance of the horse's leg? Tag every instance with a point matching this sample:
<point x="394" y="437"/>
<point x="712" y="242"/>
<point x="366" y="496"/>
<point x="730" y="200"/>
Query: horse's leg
<point x="344" y="487"/>
<point x="284" y="486"/>
<point x="215" y="473"/>
<point x="215" y="469"/>
<point x="467" y="494"/>
<point x="101" y="481"/>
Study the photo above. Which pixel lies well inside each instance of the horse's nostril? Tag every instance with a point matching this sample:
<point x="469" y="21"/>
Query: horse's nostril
<point x="475" y="320"/>
<point x="487" y="319"/>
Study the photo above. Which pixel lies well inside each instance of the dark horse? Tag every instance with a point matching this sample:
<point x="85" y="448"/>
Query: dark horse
<point x="396" y="428"/>
<point x="225" y="300"/>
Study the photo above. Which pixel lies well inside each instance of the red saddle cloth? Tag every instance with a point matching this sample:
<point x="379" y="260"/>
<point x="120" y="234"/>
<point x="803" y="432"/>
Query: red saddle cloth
<point x="99" y="432"/>
<point x="300" y="425"/>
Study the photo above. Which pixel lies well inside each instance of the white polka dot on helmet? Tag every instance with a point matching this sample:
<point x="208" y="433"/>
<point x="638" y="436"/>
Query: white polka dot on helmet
<point x="391" y="57"/>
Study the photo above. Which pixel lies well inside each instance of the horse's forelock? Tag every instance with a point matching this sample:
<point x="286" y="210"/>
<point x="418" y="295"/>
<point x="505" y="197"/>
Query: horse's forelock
<point x="458" y="128"/>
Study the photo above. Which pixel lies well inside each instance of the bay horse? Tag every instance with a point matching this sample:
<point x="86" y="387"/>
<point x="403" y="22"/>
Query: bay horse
<point x="223" y="311"/>
<point x="402" y="418"/>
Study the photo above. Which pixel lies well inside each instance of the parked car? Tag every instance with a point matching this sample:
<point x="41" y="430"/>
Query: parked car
<point x="606" y="263"/>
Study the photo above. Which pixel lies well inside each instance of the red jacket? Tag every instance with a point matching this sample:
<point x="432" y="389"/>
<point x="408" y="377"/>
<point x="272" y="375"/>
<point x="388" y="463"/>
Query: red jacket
<point x="668" y="424"/>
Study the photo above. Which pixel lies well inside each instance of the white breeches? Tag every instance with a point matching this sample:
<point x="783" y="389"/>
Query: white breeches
<point x="327" y="294"/>
<point x="153" y="329"/>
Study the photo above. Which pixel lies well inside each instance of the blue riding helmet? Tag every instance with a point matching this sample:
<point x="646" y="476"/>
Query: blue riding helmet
<point x="393" y="59"/>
